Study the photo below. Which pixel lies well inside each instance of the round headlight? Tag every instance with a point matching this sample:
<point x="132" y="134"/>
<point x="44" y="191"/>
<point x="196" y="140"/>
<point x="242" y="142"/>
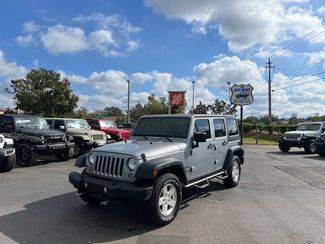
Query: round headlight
<point x="1" y="139"/>
<point x="299" y="136"/>
<point x="91" y="159"/>
<point x="42" y="138"/>
<point x="132" y="164"/>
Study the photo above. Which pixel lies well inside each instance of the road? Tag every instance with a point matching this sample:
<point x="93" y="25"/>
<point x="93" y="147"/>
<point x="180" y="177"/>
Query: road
<point x="281" y="199"/>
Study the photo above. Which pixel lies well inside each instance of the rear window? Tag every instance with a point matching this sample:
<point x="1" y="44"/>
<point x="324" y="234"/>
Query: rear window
<point x="203" y="125"/>
<point x="219" y="127"/>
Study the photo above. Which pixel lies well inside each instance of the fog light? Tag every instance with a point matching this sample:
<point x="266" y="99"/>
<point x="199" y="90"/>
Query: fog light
<point x="105" y="190"/>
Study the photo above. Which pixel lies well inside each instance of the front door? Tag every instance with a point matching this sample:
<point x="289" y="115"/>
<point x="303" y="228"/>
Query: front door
<point x="220" y="142"/>
<point x="202" y="156"/>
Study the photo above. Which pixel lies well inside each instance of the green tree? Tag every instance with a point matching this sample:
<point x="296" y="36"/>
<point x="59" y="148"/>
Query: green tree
<point x="112" y="112"/>
<point x="222" y="107"/>
<point x="136" y="112"/>
<point x="156" y="106"/>
<point x="43" y="92"/>
<point x="200" y="108"/>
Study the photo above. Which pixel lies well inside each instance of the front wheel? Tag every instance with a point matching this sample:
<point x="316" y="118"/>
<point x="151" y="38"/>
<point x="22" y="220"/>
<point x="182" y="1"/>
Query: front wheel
<point x="284" y="148"/>
<point x="25" y="155"/>
<point x="165" y="201"/>
<point x="311" y="147"/>
<point x="233" y="173"/>
<point x="65" y="155"/>
<point x="7" y="163"/>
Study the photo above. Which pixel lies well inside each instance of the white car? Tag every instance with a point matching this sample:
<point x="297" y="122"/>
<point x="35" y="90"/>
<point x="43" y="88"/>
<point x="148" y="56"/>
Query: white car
<point x="7" y="154"/>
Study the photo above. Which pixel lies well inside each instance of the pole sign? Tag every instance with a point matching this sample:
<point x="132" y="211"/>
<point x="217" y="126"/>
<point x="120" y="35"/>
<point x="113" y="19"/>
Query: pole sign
<point x="177" y="98"/>
<point x="242" y="94"/>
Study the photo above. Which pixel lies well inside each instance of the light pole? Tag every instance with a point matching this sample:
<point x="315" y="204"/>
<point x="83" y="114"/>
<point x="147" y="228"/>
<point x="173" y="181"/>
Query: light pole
<point x="228" y="83"/>
<point x="193" y="86"/>
<point x="129" y="84"/>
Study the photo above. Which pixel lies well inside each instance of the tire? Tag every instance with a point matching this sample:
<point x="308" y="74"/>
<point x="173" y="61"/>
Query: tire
<point x="90" y="200"/>
<point x="7" y="163"/>
<point x="311" y="147"/>
<point x="284" y="148"/>
<point x="25" y="155"/>
<point x="65" y="155"/>
<point x="163" y="206"/>
<point x="234" y="173"/>
<point x="79" y="149"/>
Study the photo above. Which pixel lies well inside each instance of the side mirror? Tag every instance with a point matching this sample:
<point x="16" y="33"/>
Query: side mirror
<point x="200" y="137"/>
<point x="61" y="127"/>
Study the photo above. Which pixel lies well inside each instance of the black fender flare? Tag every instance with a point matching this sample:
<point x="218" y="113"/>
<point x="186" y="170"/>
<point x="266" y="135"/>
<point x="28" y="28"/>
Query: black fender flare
<point x="151" y="170"/>
<point x="235" y="150"/>
<point x="81" y="161"/>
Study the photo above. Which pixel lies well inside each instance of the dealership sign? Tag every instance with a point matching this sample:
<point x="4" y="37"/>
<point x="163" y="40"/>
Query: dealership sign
<point x="241" y="94"/>
<point x="177" y="98"/>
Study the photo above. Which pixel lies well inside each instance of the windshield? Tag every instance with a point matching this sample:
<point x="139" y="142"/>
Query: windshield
<point x="162" y="127"/>
<point x="107" y="123"/>
<point x="310" y="127"/>
<point x="31" y="123"/>
<point x="77" y="124"/>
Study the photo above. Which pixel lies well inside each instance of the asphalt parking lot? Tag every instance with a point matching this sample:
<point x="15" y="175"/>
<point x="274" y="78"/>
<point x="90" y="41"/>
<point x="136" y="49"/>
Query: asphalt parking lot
<point x="281" y="199"/>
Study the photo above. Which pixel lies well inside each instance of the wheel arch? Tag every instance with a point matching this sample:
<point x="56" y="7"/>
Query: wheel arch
<point x="234" y="151"/>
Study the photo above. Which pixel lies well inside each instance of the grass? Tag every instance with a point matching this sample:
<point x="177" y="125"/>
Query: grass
<point x="262" y="140"/>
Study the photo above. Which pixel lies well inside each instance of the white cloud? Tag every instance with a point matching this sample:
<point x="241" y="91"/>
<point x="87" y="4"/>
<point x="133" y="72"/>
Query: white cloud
<point x="321" y="10"/>
<point x="243" y="23"/>
<point x="30" y="27"/>
<point x="273" y="51"/>
<point x="316" y="57"/>
<point x="140" y="78"/>
<point x="133" y="45"/>
<point x="64" y="39"/>
<point x="25" y="40"/>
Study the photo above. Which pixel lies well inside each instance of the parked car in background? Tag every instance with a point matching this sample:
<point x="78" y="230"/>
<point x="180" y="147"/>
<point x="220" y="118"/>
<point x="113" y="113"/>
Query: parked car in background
<point x="126" y="126"/>
<point x="110" y="128"/>
<point x="7" y="154"/>
<point x="83" y="136"/>
<point x="32" y="138"/>
<point x="167" y="153"/>
<point x="305" y="136"/>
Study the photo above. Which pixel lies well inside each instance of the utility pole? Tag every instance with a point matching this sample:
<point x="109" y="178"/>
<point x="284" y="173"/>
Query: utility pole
<point x="193" y="86"/>
<point x="129" y="84"/>
<point x="228" y="83"/>
<point x="269" y="67"/>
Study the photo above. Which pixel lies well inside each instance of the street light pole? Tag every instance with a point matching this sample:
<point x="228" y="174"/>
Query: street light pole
<point x="129" y="84"/>
<point x="228" y="83"/>
<point x="193" y="86"/>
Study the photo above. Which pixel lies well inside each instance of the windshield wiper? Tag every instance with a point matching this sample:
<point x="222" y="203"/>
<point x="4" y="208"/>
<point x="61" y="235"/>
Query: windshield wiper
<point x="145" y="137"/>
<point x="166" y="137"/>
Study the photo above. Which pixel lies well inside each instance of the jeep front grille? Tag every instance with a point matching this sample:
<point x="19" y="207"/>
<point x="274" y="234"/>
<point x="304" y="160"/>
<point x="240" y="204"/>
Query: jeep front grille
<point x="292" y="136"/>
<point x="98" y="137"/>
<point x="54" y="139"/>
<point x="109" y="166"/>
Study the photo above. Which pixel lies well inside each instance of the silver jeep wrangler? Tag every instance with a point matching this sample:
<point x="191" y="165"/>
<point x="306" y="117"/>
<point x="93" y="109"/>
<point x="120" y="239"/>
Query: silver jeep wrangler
<point x="166" y="154"/>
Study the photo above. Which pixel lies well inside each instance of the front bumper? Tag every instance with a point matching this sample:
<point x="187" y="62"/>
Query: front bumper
<point x="108" y="189"/>
<point x="293" y="143"/>
<point x="321" y="147"/>
<point x="5" y="152"/>
<point x="48" y="148"/>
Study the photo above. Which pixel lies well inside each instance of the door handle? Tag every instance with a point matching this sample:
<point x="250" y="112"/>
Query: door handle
<point x="224" y="143"/>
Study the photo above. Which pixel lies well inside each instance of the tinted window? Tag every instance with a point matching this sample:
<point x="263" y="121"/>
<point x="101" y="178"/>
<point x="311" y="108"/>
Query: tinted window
<point x="58" y="123"/>
<point x="162" y="126"/>
<point x="203" y="125"/>
<point x="219" y="127"/>
<point x="232" y="126"/>
<point x="4" y="120"/>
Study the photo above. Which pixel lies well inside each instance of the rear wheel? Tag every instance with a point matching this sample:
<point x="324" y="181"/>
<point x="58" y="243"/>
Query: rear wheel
<point x="25" y="155"/>
<point x="7" y="163"/>
<point x="284" y="148"/>
<point x="311" y="147"/>
<point x="165" y="201"/>
<point x="233" y="173"/>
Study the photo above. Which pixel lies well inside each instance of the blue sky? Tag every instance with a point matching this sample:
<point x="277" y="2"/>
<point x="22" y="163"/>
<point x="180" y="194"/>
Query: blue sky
<point x="161" y="45"/>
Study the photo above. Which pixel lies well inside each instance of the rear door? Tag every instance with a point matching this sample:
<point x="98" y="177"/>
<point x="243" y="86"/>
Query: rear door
<point x="202" y="157"/>
<point x="220" y="142"/>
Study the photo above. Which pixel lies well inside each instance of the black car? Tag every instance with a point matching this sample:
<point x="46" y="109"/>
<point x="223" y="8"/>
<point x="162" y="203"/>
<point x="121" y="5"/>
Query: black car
<point x="321" y="146"/>
<point x="32" y="137"/>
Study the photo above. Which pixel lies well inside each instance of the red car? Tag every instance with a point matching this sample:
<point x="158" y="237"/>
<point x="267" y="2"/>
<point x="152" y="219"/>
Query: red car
<point x="110" y="128"/>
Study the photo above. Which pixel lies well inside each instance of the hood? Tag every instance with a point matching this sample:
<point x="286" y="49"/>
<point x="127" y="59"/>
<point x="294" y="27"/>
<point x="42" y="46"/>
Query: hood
<point x="84" y="132"/>
<point x="149" y="148"/>
<point x="39" y="132"/>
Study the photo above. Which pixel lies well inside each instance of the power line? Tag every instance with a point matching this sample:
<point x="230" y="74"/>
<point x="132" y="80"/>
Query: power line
<point x="301" y="83"/>
<point x="301" y="78"/>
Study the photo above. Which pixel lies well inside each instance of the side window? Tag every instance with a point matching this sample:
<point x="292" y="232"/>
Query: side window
<point x="219" y="127"/>
<point x="232" y="126"/>
<point x="203" y="125"/>
<point x="4" y="122"/>
<point x="50" y="123"/>
<point x="58" y="123"/>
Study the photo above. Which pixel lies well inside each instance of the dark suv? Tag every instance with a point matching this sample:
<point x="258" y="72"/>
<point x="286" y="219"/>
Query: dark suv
<point x="32" y="137"/>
